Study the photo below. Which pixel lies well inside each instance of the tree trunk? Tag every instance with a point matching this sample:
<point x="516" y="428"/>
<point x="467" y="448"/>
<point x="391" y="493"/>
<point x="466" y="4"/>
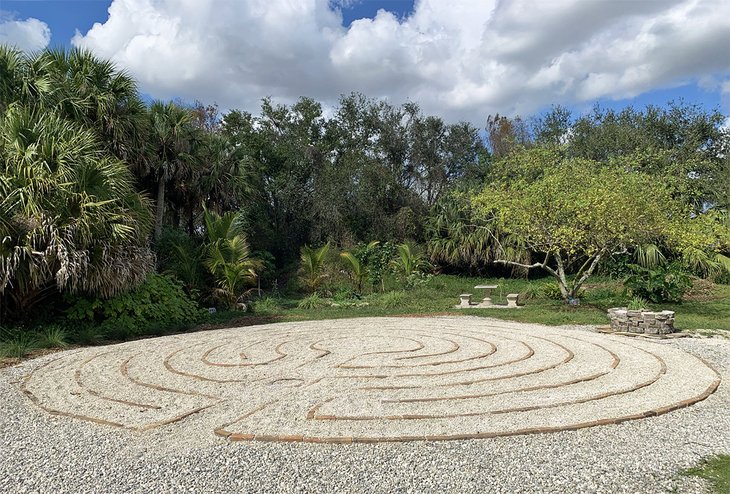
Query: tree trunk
<point x="160" y="206"/>
<point x="567" y="293"/>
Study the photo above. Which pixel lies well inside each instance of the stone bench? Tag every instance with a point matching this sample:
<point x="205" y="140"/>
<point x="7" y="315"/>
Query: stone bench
<point x="465" y="300"/>
<point x="512" y="299"/>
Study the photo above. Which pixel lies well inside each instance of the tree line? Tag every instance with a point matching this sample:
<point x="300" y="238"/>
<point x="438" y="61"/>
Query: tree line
<point x="99" y="188"/>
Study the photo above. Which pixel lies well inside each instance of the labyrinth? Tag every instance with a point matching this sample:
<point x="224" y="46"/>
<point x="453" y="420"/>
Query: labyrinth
<point x="373" y="379"/>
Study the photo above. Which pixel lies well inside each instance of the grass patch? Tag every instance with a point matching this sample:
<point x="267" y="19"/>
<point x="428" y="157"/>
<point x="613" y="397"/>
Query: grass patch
<point x="52" y="336"/>
<point x="715" y="470"/>
<point x="437" y="295"/>
<point x="440" y="294"/>
<point x="392" y="300"/>
<point x="17" y="345"/>
<point x="314" y="301"/>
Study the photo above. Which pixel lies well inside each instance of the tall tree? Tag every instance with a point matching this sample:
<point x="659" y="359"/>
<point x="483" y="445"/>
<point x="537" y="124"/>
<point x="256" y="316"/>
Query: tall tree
<point x="171" y="139"/>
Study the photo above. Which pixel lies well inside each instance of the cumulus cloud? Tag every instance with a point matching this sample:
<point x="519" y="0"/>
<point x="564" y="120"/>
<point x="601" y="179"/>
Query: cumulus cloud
<point x="27" y="35"/>
<point x="461" y="59"/>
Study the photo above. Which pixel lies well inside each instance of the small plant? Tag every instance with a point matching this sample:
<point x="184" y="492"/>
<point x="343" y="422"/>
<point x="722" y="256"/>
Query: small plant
<point x="637" y="303"/>
<point x="409" y="262"/>
<point x="314" y="301"/>
<point x="550" y="290"/>
<point x="345" y="295"/>
<point x="356" y="269"/>
<point x="228" y="258"/>
<point x="665" y="283"/>
<point x="266" y="305"/>
<point x="417" y="280"/>
<point x="312" y="265"/>
<point x="52" y="337"/>
<point x="392" y="299"/>
<point x="533" y="290"/>
<point x="87" y="334"/>
<point x="17" y="344"/>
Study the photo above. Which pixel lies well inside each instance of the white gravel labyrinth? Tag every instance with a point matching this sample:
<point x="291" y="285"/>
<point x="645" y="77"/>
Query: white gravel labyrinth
<point x="371" y="380"/>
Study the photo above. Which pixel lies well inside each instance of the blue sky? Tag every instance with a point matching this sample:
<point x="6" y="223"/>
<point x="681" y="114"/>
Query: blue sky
<point x="463" y="60"/>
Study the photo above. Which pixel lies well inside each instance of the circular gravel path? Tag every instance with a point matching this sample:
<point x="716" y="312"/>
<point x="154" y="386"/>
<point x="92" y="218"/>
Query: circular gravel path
<point x="166" y="413"/>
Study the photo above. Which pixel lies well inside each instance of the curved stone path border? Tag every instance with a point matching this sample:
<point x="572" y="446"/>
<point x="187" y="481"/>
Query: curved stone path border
<point x="373" y="380"/>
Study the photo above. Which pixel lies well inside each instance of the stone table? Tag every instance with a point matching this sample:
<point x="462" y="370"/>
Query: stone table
<point x="487" y="301"/>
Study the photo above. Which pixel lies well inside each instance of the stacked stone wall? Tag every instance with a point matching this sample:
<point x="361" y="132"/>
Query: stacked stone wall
<point x="641" y="321"/>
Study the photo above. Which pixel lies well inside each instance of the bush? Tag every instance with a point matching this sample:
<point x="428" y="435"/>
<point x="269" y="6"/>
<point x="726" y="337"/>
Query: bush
<point x="52" y="336"/>
<point x="17" y="344"/>
<point x="314" y="301"/>
<point x="551" y="290"/>
<point x="158" y="304"/>
<point x="266" y="305"/>
<point x="392" y="299"/>
<point x="180" y="255"/>
<point x="666" y="283"/>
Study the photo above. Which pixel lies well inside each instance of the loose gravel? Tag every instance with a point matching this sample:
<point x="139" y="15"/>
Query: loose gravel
<point x="44" y="453"/>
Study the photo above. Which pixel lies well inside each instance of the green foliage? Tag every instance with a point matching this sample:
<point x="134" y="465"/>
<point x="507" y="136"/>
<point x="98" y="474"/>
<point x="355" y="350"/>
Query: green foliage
<point x="52" y="336"/>
<point x="637" y="303"/>
<point x="456" y="237"/>
<point x="158" y="303"/>
<point x="409" y="263"/>
<point x="88" y="333"/>
<point x="357" y="270"/>
<point x="228" y="258"/>
<point x="313" y="301"/>
<point x="716" y="470"/>
<point x="17" y="344"/>
<point x="551" y="291"/>
<point x="266" y="305"/>
<point x="664" y="283"/>
<point x="575" y="214"/>
<point x="181" y="256"/>
<point x="312" y="264"/>
<point x="680" y="143"/>
<point x="70" y="218"/>
<point x="392" y="299"/>
<point x="377" y="257"/>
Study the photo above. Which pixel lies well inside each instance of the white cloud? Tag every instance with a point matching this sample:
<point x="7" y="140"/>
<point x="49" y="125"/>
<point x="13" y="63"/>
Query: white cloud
<point x="27" y="35"/>
<point x="458" y="59"/>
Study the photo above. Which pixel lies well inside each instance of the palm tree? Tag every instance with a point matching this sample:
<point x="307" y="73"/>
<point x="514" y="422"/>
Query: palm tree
<point x="172" y="137"/>
<point x="228" y="257"/>
<point x="358" y="270"/>
<point x="408" y="262"/>
<point x="312" y="265"/>
<point x="70" y="218"/>
<point x="101" y="97"/>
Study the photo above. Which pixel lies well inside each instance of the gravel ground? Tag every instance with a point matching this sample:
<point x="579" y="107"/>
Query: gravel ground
<point x="43" y="453"/>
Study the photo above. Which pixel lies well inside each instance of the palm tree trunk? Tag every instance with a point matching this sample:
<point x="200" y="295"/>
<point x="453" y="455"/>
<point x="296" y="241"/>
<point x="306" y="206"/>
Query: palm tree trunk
<point x="160" y="206"/>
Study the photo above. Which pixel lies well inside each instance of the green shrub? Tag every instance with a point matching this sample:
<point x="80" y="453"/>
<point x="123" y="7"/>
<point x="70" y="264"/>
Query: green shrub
<point x="266" y="305"/>
<point x="346" y="295"/>
<point x="533" y="290"/>
<point x="667" y="283"/>
<point x="53" y="336"/>
<point x="637" y="303"/>
<point x="86" y="333"/>
<point x="158" y="304"/>
<point x="550" y="290"/>
<point x="392" y="299"/>
<point x="180" y="255"/>
<point x="17" y="344"/>
<point x="314" y="301"/>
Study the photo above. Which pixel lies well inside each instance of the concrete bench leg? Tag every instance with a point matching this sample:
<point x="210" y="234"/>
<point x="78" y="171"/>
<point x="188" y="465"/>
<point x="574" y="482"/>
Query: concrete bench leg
<point x="465" y="300"/>
<point x="512" y="299"/>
